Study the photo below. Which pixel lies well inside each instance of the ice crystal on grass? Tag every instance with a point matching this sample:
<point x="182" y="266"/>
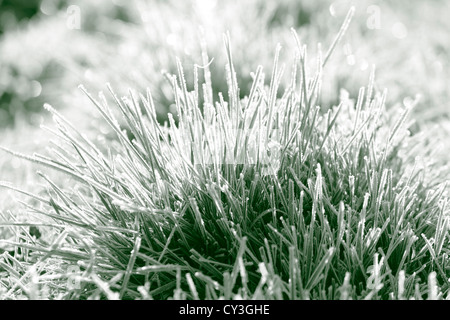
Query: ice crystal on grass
<point x="270" y="197"/>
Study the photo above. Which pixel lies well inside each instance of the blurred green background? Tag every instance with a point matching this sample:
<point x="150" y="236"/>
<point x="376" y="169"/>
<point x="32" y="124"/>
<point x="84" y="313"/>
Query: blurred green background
<point x="48" y="47"/>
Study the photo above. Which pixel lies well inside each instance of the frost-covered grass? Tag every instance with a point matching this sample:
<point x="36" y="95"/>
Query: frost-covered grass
<point x="273" y="196"/>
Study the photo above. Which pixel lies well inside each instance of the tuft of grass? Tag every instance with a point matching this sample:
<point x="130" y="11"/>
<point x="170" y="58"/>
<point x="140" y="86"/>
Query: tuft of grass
<point x="267" y="197"/>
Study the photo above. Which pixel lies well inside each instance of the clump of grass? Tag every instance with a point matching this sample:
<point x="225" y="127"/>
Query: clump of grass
<point x="268" y="197"/>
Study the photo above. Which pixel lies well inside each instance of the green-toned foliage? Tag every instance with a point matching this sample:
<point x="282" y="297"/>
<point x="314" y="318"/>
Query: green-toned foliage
<point x="271" y="196"/>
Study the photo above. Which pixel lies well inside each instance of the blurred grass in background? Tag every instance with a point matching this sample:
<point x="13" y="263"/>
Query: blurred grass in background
<point x="129" y="43"/>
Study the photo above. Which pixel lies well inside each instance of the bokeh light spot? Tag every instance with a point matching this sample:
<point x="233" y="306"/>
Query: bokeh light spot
<point x="364" y="65"/>
<point x="399" y="30"/>
<point x="36" y="88"/>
